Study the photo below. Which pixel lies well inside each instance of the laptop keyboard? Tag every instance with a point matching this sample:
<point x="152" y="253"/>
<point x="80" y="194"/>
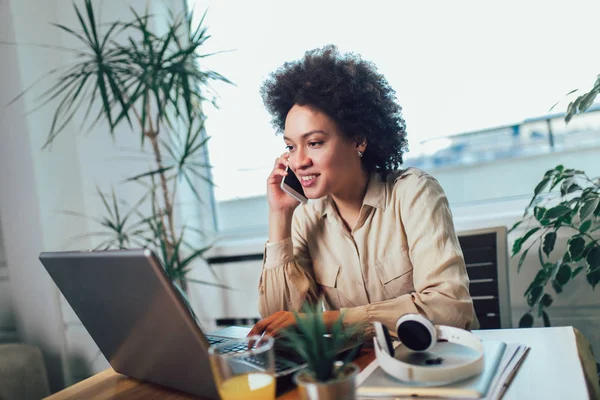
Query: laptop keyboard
<point x="281" y="363"/>
<point x="214" y="340"/>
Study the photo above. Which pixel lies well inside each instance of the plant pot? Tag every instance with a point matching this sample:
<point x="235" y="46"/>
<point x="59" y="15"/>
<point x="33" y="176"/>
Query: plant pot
<point x="339" y="389"/>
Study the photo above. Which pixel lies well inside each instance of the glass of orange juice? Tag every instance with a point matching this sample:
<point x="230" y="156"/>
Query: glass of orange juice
<point x="244" y="369"/>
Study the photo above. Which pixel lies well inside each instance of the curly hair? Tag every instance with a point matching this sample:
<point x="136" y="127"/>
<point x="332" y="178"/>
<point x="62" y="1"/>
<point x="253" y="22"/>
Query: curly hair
<point x="351" y="92"/>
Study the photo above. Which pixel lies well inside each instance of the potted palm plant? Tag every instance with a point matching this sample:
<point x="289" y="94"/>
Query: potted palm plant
<point x="131" y="73"/>
<point x="326" y="375"/>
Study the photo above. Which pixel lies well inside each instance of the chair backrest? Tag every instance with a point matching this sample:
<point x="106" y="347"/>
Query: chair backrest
<point x="486" y="257"/>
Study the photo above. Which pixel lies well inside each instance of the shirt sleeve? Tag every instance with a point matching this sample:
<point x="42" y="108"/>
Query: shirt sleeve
<point x="441" y="283"/>
<point x="287" y="278"/>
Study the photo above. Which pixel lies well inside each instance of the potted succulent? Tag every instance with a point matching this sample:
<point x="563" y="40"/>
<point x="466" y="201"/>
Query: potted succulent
<point x="326" y="375"/>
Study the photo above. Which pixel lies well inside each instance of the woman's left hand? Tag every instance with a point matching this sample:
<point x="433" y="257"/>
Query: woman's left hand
<point x="274" y="323"/>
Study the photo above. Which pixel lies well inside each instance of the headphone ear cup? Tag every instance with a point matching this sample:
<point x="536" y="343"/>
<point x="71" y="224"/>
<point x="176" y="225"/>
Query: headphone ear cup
<point x="388" y="340"/>
<point x="382" y="335"/>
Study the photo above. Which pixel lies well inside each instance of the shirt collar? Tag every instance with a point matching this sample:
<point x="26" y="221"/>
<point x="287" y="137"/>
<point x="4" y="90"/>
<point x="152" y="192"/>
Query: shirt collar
<point x="374" y="197"/>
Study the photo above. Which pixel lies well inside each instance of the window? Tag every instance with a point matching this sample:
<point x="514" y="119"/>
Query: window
<point x="456" y="66"/>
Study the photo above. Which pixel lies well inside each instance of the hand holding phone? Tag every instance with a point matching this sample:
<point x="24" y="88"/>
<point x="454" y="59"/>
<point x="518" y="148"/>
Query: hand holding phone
<point x="278" y="191"/>
<point x="292" y="186"/>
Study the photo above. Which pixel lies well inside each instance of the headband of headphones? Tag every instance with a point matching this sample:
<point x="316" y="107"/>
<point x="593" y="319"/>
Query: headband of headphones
<point x="419" y="334"/>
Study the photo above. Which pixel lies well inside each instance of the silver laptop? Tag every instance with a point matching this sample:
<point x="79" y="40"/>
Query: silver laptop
<point x="140" y="321"/>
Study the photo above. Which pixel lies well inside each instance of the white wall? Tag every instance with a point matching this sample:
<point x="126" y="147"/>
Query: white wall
<point x="36" y="185"/>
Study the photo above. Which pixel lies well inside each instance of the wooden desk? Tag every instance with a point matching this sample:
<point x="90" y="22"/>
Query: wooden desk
<point x="110" y="385"/>
<point x="559" y="365"/>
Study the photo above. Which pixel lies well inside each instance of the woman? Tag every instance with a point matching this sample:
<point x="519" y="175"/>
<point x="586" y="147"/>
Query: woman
<point x="377" y="242"/>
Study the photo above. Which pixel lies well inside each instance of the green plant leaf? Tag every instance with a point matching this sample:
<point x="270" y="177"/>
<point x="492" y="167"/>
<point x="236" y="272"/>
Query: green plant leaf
<point x="540" y="309"/>
<point x="541" y="186"/>
<point x="549" y="241"/>
<point x="538" y="212"/>
<point x="569" y="186"/>
<point x="150" y="173"/>
<point x="588" y="208"/>
<point x="520" y="241"/>
<point x="522" y="260"/>
<point x="593" y="278"/>
<point x="535" y="295"/>
<point x="538" y="281"/>
<point x="546" y="300"/>
<point x="526" y="321"/>
<point x="564" y="274"/>
<point x="593" y="258"/>
<point x="576" y="247"/>
<point x="515" y="226"/>
<point x="546" y="319"/>
<point x="557" y="211"/>
<point x="583" y="228"/>
<point x="557" y="286"/>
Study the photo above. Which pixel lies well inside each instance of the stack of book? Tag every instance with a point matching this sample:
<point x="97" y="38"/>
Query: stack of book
<point x="501" y="362"/>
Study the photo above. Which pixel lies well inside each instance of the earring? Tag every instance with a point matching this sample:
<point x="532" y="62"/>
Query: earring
<point x="360" y="153"/>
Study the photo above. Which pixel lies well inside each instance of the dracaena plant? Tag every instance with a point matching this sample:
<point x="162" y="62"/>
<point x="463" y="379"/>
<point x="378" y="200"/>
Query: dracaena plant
<point x="565" y="200"/>
<point x="128" y="73"/>
<point x="320" y="348"/>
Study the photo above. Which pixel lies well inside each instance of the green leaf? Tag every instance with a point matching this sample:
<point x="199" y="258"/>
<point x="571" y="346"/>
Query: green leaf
<point x="195" y="255"/>
<point x="569" y="186"/>
<point x="593" y="258"/>
<point x="549" y="241"/>
<point x="541" y="186"/>
<point x="576" y="247"/>
<point x="540" y="256"/>
<point x="538" y="212"/>
<point x="540" y="309"/>
<point x="520" y="241"/>
<point x="583" y="228"/>
<point x="573" y="188"/>
<point x="576" y="272"/>
<point x="556" y="286"/>
<point x="515" y="226"/>
<point x="535" y="295"/>
<point x="538" y="281"/>
<point x="588" y="208"/>
<point x="564" y="274"/>
<point x="526" y="321"/>
<point x="546" y="319"/>
<point x="593" y="278"/>
<point x="150" y="173"/>
<point x="546" y="300"/>
<point x="557" y="211"/>
<point x="522" y="260"/>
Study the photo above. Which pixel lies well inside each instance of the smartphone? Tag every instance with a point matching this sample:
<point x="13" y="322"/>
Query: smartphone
<point x="292" y="186"/>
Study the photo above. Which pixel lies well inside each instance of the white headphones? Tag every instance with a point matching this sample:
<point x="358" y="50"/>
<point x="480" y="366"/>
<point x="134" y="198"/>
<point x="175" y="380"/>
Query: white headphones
<point x="419" y="334"/>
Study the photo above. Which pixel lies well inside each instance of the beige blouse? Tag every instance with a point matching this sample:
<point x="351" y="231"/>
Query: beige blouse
<point x="402" y="256"/>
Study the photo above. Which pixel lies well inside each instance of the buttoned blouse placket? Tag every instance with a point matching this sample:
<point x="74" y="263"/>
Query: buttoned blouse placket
<point x="361" y="296"/>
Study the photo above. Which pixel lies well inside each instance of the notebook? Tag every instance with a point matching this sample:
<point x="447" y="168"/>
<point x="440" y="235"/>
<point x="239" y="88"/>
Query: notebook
<point x="378" y="384"/>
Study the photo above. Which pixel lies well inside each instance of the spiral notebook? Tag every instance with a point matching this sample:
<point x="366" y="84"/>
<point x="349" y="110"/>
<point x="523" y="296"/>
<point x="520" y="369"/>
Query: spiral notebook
<point x="374" y="383"/>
